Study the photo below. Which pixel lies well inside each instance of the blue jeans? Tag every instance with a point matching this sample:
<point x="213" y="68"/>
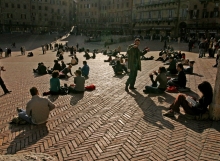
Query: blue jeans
<point x="154" y="90"/>
<point x="23" y="115"/>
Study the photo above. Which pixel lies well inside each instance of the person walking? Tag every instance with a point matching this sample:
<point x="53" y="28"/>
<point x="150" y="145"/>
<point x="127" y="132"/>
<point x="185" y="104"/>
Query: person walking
<point x="6" y="91"/>
<point x="134" y="62"/>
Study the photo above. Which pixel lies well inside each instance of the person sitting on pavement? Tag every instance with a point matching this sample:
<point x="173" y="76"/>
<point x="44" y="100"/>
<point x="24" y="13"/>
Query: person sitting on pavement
<point x="79" y="83"/>
<point x="41" y="69"/>
<point x="193" y="107"/>
<point x="55" y="83"/>
<point x="37" y="109"/>
<point x="119" y="68"/>
<point x="172" y="67"/>
<point x="63" y="65"/>
<point x="73" y="61"/>
<point x="60" y="57"/>
<point x="189" y="69"/>
<point x="180" y="81"/>
<point x="161" y="78"/>
<point x="87" y="54"/>
<point x="56" y="66"/>
<point x="65" y="71"/>
<point x="85" y="69"/>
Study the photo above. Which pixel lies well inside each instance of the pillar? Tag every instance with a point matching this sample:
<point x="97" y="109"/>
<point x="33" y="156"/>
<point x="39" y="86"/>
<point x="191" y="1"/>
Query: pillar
<point x="215" y="106"/>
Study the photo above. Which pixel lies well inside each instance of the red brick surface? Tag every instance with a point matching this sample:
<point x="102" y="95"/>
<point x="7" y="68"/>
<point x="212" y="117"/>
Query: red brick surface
<point x="107" y="123"/>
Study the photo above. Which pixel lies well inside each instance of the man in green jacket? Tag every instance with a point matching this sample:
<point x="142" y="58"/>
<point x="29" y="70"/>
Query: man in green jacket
<point x="134" y="62"/>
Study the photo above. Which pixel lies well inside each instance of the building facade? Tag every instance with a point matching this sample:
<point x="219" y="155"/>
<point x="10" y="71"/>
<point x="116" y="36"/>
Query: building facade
<point x="176" y="18"/>
<point x="37" y="15"/>
<point x="104" y="16"/>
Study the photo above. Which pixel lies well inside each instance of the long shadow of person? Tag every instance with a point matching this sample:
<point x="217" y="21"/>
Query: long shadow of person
<point x="152" y="112"/>
<point x="29" y="135"/>
<point x="76" y="98"/>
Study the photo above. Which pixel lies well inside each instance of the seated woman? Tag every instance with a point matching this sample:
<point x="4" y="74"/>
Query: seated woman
<point x="189" y="69"/>
<point x="193" y="107"/>
<point x="161" y="78"/>
<point x="79" y="83"/>
<point x="119" y="68"/>
<point x="55" y="83"/>
<point x="180" y="81"/>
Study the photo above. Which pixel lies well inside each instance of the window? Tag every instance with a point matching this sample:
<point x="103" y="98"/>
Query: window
<point x="33" y="7"/>
<point x="25" y="6"/>
<point x="39" y="7"/>
<point x="18" y="6"/>
<point x="46" y="8"/>
<point x="12" y="6"/>
<point x="6" y="4"/>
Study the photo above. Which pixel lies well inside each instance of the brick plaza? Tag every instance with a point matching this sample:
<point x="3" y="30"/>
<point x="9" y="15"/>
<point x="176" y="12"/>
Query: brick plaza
<point x="107" y="123"/>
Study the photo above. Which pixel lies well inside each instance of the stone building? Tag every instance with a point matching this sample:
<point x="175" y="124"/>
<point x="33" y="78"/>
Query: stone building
<point x="176" y="18"/>
<point x="36" y="15"/>
<point x="107" y="16"/>
<point x="203" y="19"/>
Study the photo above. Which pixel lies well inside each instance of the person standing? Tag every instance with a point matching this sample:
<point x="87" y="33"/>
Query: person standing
<point x="77" y="46"/>
<point x="6" y="91"/>
<point x="134" y="63"/>
<point x="201" y="48"/>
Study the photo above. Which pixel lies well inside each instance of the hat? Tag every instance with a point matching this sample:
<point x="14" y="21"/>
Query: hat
<point x="78" y="72"/>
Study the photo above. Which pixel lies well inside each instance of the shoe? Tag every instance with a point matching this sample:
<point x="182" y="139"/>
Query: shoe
<point x="214" y="66"/>
<point x="169" y="114"/>
<point x="8" y="92"/>
<point x="132" y="88"/>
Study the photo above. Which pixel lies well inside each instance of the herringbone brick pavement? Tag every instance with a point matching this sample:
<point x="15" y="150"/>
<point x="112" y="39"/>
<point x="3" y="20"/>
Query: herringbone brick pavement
<point x="107" y="123"/>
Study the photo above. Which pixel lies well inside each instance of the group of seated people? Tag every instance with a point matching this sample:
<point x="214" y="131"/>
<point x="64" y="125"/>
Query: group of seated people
<point x="164" y="81"/>
<point x="77" y="87"/>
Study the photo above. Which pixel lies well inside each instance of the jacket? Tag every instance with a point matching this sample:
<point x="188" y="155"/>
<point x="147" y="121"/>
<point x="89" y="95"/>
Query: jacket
<point x="134" y="54"/>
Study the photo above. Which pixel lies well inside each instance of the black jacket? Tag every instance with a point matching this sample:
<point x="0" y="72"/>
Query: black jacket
<point x="181" y="79"/>
<point x="202" y="104"/>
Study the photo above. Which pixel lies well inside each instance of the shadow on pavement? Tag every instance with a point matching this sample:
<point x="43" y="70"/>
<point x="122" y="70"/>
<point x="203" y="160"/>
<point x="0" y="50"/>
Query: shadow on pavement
<point x="76" y="98"/>
<point x="29" y="135"/>
<point x="152" y="112"/>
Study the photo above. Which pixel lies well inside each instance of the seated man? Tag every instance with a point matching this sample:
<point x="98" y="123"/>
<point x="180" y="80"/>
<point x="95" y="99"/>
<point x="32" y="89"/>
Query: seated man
<point x="179" y="82"/>
<point x="65" y="71"/>
<point x="63" y="65"/>
<point x="85" y="69"/>
<point x="87" y="55"/>
<point x="73" y="61"/>
<point x="41" y="69"/>
<point x="189" y="69"/>
<point x="37" y="109"/>
<point x="172" y="67"/>
<point x="119" y="68"/>
<point x="79" y="83"/>
<point x="161" y="78"/>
